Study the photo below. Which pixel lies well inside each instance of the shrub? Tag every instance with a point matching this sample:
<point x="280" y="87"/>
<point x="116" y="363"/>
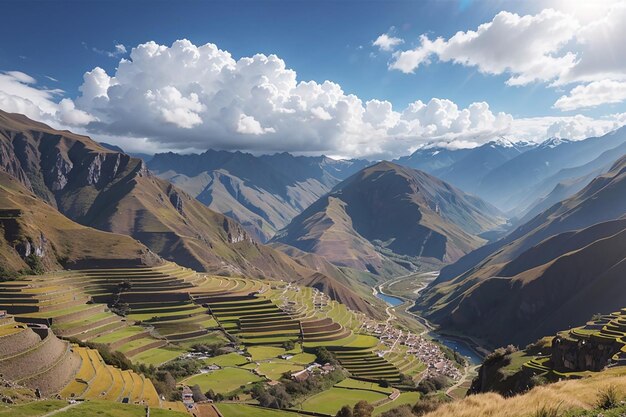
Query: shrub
<point x="546" y="411"/>
<point x="197" y="393"/>
<point x="34" y="263"/>
<point x="432" y="384"/>
<point x="8" y="274"/>
<point x="345" y="411"/>
<point x="363" y="409"/>
<point x="428" y="404"/>
<point x="324" y="356"/>
<point x="608" y="398"/>
<point x="181" y="368"/>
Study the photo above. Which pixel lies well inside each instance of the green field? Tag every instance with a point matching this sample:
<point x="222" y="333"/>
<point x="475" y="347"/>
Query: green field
<point x="230" y="359"/>
<point x="303" y="358"/>
<point x="158" y="356"/>
<point x="86" y="409"/>
<point x="405" y="398"/>
<point x="33" y="409"/>
<point x="242" y="410"/>
<point x="261" y="353"/>
<point x="330" y="401"/>
<point x="223" y="381"/>
<point x="364" y="385"/>
<point x="276" y="368"/>
<point x="119" y="334"/>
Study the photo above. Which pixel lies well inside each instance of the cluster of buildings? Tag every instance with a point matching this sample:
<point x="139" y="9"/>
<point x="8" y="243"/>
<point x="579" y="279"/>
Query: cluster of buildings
<point x="428" y="352"/>
<point x="314" y="368"/>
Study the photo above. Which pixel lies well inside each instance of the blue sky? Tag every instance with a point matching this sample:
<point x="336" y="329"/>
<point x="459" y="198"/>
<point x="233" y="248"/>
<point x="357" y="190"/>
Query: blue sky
<point x="322" y="40"/>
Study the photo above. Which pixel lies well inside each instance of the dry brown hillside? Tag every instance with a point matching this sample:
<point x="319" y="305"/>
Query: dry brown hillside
<point x="29" y="227"/>
<point x="565" y="396"/>
<point x="387" y="212"/>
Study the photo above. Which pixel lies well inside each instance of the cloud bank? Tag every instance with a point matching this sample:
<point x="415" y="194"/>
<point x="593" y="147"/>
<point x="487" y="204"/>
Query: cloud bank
<point x="185" y="97"/>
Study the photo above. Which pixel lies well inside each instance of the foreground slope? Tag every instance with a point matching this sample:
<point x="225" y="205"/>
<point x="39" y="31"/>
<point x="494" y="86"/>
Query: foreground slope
<point x="387" y="211"/>
<point x="552" y="272"/>
<point x="263" y="193"/>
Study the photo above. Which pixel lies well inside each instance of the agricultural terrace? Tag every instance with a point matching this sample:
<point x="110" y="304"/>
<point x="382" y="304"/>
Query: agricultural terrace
<point x="604" y="337"/>
<point x="155" y="315"/>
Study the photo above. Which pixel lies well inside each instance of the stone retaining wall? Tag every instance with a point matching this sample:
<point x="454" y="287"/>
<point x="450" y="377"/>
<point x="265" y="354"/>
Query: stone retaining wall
<point x="58" y="376"/>
<point x="18" y="342"/>
<point x="36" y="359"/>
<point x="581" y="355"/>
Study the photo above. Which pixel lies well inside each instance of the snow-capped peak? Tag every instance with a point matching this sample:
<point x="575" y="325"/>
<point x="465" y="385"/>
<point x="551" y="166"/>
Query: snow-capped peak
<point x="501" y="142"/>
<point x="553" y="142"/>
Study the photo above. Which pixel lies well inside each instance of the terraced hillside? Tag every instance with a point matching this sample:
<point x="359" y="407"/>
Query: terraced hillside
<point x="76" y="304"/>
<point x="580" y="351"/>
<point x="34" y="357"/>
<point x="156" y="314"/>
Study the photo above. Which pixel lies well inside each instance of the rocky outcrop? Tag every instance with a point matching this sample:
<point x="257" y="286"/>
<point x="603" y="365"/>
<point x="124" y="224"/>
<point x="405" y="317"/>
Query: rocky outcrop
<point x="582" y="355"/>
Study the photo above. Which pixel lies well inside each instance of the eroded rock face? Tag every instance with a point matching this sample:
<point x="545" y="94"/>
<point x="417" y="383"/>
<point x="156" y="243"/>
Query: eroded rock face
<point x="10" y="164"/>
<point x="582" y="355"/>
<point x="59" y="175"/>
<point x="176" y="200"/>
<point x="235" y="233"/>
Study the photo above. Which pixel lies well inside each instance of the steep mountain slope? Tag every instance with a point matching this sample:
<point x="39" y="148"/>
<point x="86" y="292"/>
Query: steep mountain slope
<point x="564" y="265"/>
<point x="32" y="232"/>
<point x="387" y="211"/>
<point x="510" y="184"/>
<point x="263" y="193"/>
<point x="464" y="168"/>
<point x="113" y="192"/>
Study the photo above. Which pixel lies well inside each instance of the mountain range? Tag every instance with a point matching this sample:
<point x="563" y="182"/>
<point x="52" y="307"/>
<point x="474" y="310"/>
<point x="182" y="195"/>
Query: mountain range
<point x="73" y="179"/>
<point x="559" y="268"/>
<point x="263" y="193"/>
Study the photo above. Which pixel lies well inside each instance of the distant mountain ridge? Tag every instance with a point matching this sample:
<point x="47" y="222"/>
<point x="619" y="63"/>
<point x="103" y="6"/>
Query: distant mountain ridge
<point x="387" y="212"/>
<point x="263" y="193"/>
<point x="517" y="176"/>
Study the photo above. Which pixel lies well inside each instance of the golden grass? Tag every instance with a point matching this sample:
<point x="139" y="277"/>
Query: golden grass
<point x="571" y="395"/>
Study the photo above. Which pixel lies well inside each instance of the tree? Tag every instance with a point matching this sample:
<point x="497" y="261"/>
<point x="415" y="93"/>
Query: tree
<point x="363" y="409"/>
<point x="345" y="411"/>
<point x="198" y="396"/>
<point x="324" y="356"/>
<point x="288" y="345"/>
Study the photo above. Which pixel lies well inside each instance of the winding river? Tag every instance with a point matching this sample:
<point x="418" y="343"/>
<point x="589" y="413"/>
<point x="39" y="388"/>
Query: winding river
<point x="459" y="345"/>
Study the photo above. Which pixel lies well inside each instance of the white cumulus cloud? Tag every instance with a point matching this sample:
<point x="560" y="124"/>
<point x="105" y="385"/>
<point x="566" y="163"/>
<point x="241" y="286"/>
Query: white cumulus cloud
<point x="185" y="97"/>
<point x="575" y="44"/>
<point x="524" y="46"/>
<point x="387" y="42"/>
<point x="19" y="94"/>
<point x="592" y="95"/>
